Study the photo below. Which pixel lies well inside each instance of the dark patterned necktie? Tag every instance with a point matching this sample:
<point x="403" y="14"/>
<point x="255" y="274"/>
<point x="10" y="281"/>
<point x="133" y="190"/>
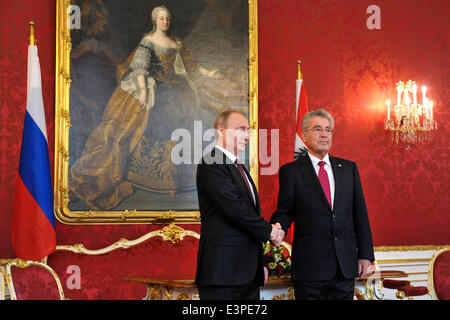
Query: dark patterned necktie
<point x="241" y="170"/>
<point x="323" y="178"/>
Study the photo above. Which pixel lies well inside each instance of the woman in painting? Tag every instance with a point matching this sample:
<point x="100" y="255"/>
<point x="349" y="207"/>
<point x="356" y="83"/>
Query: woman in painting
<point x="131" y="147"/>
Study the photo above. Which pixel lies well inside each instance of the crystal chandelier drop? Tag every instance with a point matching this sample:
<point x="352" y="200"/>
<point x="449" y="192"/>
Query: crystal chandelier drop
<point x="413" y="121"/>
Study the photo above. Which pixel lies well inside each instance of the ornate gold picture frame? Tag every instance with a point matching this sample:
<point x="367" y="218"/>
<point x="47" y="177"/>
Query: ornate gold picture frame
<point x="111" y="161"/>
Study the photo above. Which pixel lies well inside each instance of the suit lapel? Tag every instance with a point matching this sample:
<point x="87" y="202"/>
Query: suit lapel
<point x="307" y="169"/>
<point x="257" y="204"/>
<point x="338" y="173"/>
<point x="242" y="186"/>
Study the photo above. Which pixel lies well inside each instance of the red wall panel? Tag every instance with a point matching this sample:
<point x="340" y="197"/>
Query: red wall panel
<point x="14" y="17"/>
<point x="351" y="70"/>
<point x="348" y="70"/>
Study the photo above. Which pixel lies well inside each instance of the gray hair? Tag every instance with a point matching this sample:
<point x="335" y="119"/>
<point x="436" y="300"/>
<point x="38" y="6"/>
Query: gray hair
<point x="156" y="10"/>
<point x="154" y="15"/>
<point x="316" y="113"/>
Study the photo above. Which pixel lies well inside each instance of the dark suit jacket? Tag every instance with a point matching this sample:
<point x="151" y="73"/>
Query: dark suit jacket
<point x="230" y="250"/>
<point x="324" y="238"/>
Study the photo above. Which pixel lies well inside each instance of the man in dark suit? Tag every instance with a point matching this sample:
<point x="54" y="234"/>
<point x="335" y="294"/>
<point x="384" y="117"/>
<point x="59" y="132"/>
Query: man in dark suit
<point x="323" y="196"/>
<point x="230" y="262"/>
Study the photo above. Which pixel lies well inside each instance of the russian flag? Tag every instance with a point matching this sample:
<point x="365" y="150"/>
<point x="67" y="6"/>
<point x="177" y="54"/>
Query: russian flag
<point x="33" y="225"/>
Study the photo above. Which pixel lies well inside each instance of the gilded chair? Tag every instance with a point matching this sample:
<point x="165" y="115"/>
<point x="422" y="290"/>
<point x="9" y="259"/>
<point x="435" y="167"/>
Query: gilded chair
<point x="2" y="285"/>
<point x="31" y="280"/>
<point x="439" y="275"/>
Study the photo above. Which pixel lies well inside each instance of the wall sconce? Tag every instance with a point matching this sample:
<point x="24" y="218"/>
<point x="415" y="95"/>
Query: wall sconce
<point x="413" y="122"/>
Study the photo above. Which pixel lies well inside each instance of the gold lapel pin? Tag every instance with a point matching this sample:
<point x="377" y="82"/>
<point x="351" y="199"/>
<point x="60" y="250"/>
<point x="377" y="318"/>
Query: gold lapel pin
<point x="340" y="165"/>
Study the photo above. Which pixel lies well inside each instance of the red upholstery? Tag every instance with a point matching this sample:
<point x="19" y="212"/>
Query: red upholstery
<point x="395" y="284"/>
<point x="102" y="275"/>
<point x="441" y="275"/>
<point x="411" y="291"/>
<point x="34" y="283"/>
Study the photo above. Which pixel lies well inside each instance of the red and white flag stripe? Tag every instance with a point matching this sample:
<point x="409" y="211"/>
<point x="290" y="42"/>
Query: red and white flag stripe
<point x="300" y="111"/>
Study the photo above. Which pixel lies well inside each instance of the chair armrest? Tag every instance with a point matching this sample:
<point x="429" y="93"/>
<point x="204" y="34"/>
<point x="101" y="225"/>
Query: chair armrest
<point x="395" y="284"/>
<point x="411" y="291"/>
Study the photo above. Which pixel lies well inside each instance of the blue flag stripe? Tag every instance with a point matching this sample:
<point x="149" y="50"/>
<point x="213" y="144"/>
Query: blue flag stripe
<point x="34" y="167"/>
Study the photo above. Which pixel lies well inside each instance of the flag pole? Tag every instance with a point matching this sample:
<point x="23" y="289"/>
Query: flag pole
<point x="33" y="233"/>
<point x="298" y="70"/>
<point x="32" y="39"/>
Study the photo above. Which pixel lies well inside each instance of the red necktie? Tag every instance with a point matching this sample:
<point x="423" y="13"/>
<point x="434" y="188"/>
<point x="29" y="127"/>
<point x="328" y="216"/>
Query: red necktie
<point x="241" y="170"/>
<point x="323" y="178"/>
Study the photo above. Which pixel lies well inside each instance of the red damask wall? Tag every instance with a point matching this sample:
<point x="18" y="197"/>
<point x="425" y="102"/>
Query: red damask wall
<point x="348" y="69"/>
<point x="351" y="70"/>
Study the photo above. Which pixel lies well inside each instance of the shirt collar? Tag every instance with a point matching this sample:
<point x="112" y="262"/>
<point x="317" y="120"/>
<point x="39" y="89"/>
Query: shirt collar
<point x="229" y="154"/>
<point x="316" y="160"/>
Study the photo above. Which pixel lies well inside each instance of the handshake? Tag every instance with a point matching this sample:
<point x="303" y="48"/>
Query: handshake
<point x="277" y="234"/>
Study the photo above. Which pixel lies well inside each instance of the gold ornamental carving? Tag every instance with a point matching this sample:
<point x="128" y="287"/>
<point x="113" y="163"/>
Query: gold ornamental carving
<point x="16" y="261"/>
<point x="66" y="116"/>
<point x="183" y="296"/>
<point x="172" y="233"/>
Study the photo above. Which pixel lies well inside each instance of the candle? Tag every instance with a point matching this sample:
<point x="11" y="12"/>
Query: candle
<point x="424" y="96"/>
<point x="388" y="103"/>
<point x="407" y="101"/>
<point x="424" y="101"/>
<point x="414" y="87"/>
<point x="431" y="110"/>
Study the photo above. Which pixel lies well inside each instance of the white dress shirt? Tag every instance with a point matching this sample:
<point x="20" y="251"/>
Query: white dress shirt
<point x="233" y="158"/>
<point x="328" y="169"/>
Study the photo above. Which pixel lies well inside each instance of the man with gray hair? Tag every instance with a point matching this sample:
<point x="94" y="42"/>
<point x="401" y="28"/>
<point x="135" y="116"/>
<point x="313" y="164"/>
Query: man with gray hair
<point x="323" y="196"/>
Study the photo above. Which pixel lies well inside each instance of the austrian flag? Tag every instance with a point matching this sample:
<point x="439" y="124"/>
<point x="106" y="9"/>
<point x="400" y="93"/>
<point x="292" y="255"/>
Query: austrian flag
<point x="301" y="110"/>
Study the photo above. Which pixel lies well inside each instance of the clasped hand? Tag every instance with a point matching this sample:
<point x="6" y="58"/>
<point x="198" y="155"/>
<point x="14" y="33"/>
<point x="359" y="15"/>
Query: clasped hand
<point x="277" y="234"/>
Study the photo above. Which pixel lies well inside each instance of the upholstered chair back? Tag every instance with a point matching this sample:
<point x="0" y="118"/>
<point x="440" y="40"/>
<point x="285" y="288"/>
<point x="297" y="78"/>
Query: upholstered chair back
<point x="439" y="275"/>
<point x="32" y="280"/>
